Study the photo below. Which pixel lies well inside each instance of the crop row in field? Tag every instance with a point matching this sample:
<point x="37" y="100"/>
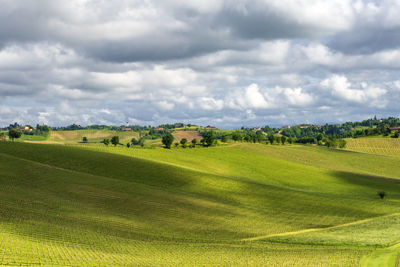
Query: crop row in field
<point x="73" y="137"/>
<point x="63" y="205"/>
<point x="382" y="146"/>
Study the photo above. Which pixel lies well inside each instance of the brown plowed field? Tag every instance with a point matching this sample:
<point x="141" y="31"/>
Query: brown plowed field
<point x="189" y="135"/>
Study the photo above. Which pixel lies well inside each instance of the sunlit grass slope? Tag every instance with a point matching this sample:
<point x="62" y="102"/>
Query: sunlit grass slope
<point x="73" y="137"/>
<point x="63" y="205"/>
<point x="383" y="146"/>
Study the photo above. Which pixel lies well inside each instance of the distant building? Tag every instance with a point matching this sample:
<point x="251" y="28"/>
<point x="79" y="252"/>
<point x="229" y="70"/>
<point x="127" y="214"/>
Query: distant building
<point x="126" y="129"/>
<point x="394" y="129"/>
<point x="257" y="129"/>
<point x="209" y="127"/>
<point x="159" y="129"/>
<point x="286" y="127"/>
<point x="25" y="128"/>
<point x="304" y="126"/>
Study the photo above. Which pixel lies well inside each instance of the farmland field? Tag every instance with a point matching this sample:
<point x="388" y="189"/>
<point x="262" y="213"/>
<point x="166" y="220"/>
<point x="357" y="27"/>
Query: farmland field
<point x="73" y="137"/>
<point x="189" y="135"/>
<point x="382" y="146"/>
<point x="242" y="205"/>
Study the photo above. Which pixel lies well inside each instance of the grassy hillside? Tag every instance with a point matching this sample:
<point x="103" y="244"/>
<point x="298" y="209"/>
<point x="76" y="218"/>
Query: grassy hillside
<point x="73" y="137"/>
<point x="99" y="206"/>
<point x="382" y="146"/>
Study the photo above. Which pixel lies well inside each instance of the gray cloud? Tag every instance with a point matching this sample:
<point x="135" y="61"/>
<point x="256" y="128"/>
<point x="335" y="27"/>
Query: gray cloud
<point x="228" y="63"/>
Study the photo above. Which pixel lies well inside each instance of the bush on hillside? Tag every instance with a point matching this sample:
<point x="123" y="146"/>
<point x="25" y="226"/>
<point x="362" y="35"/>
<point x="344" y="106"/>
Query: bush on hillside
<point x="115" y="140"/>
<point x="14" y="134"/>
<point x="209" y="138"/>
<point x="167" y="140"/>
<point x="183" y="142"/>
<point x="382" y="194"/>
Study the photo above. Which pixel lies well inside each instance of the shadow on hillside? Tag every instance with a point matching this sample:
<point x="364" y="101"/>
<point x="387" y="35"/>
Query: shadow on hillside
<point x="369" y="184"/>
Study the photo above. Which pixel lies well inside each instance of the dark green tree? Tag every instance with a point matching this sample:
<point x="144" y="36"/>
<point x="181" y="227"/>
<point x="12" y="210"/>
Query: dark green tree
<point x="183" y="142"/>
<point x="167" y="140"/>
<point x="128" y="145"/>
<point x="237" y="137"/>
<point x="259" y="137"/>
<point x="396" y="134"/>
<point x="84" y="139"/>
<point x="224" y="138"/>
<point x="271" y="138"/>
<point x="115" y="140"/>
<point x="106" y="142"/>
<point x="209" y="138"/>
<point x="194" y="142"/>
<point x="14" y="134"/>
<point x="134" y="141"/>
<point x="283" y="139"/>
<point x="176" y="144"/>
<point x="278" y="139"/>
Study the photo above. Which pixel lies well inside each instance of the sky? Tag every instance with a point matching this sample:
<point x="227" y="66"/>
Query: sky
<point x="227" y="63"/>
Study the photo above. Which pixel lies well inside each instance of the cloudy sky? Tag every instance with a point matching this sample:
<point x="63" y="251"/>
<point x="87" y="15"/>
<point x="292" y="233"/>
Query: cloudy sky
<point x="223" y="62"/>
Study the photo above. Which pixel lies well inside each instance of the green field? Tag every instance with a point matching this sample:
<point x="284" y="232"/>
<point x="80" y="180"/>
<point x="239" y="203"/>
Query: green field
<point x="383" y="146"/>
<point x="242" y="205"/>
<point x="93" y="136"/>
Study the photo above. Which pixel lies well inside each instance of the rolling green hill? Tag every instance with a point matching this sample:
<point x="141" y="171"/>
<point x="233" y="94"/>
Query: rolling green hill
<point x="237" y="205"/>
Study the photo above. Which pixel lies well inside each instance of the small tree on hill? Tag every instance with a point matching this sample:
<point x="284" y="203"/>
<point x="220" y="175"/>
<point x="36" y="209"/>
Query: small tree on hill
<point x="134" y="141"/>
<point x="106" y="142"/>
<point x="176" y="144"/>
<point x="194" y="142"/>
<point x="271" y="139"/>
<point x="84" y="139"/>
<point x="283" y="139"/>
<point x="209" y="138"/>
<point x="224" y="138"/>
<point x="382" y="194"/>
<point x="183" y="142"/>
<point x="128" y="145"/>
<point x="237" y="137"/>
<point x="260" y="137"/>
<point x="290" y="140"/>
<point x="115" y="140"/>
<point x="14" y="134"/>
<point x="167" y="140"/>
<point x="278" y="139"/>
<point x="396" y="134"/>
<point x="202" y="141"/>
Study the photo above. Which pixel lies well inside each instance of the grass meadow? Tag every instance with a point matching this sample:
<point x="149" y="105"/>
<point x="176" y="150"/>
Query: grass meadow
<point x="240" y="204"/>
